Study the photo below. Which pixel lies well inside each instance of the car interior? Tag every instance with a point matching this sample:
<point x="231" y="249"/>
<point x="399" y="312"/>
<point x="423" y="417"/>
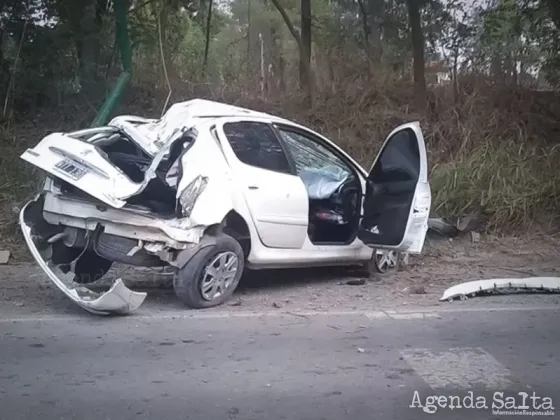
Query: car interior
<point x="334" y="189"/>
<point x="334" y="220"/>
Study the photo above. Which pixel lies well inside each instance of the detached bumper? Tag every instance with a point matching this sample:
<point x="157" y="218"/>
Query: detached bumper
<point x="117" y="300"/>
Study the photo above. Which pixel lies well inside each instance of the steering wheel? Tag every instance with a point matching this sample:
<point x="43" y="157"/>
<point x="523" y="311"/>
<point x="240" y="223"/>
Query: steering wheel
<point x="349" y="189"/>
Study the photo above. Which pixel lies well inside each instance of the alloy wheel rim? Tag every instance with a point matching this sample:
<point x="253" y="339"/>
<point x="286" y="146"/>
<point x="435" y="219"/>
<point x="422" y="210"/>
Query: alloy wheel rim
<point x="218" y="275"/>
<point x="386" y="260"/>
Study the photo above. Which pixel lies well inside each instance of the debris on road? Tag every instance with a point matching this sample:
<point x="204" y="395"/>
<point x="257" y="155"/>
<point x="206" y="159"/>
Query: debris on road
<point x="502" y="286"/>
<point x="4" y="257"/>
<point x="443" y="227"/>
<point x="472" y="222"/>
<point x="358" y="282"/>
<point x="475" y="237"/>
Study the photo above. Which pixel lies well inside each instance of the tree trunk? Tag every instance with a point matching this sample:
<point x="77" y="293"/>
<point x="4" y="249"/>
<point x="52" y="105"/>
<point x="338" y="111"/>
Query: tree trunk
<point x="417" y="52"/>
<point x="277" y="60"/>
<point x="554" y="7"/>
<point x="365" y="25"/>
<point x="306" y="79"/>
<point x="454" y="75"/>
<point x="376" y="11"/>
<point x="89" y="48"/>
<point x="305" y="49"/>
<point x="249" y="39"/>
<point x="207" y="46"/>
<point x="496" y="70"/>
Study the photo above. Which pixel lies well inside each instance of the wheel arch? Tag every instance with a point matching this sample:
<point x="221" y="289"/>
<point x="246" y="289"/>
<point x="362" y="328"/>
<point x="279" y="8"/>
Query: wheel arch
<point x="234" y="225"/>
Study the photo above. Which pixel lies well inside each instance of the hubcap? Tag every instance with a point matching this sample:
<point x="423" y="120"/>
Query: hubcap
<point x="218" y="275"/>
<point x="385" y="260"/>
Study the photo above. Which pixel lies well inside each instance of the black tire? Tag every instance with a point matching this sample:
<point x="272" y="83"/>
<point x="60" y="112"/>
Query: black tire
<point x="187" y="280"/>
<point x="116" y="248"/>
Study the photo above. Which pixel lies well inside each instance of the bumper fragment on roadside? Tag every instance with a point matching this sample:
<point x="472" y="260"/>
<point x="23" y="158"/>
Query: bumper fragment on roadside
<point x="117" y="300"/>
<point x="502" y="286"/>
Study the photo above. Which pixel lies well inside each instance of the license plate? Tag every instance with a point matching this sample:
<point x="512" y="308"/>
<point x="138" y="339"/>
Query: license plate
<point x="71" y="169"/>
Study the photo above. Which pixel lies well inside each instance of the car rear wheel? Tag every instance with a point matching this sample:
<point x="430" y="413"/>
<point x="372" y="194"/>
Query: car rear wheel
<point x="211" y="275"/>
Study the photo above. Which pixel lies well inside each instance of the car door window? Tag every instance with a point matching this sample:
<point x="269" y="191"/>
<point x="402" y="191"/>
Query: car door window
<point x="256" y="144"/>
<point x="322" y="171"/>
<point x="309" y="154"/>
<point x="399" y="160"/>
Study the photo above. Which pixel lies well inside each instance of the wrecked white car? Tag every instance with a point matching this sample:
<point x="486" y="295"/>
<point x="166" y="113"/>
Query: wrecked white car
<point x="210" y="189"/>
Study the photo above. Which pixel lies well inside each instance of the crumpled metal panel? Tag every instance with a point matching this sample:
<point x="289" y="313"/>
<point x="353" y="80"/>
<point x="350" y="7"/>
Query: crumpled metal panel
<point x="117" y="300"/>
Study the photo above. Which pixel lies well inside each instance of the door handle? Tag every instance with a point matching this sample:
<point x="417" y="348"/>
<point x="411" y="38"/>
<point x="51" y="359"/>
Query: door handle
<point x="253" y="187"/>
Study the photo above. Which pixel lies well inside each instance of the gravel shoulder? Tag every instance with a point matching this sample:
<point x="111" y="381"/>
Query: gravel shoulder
<point x="25" y="290"/>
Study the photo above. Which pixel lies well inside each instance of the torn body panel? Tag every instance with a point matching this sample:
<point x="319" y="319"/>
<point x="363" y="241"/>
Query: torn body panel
<point x="154" y="133"/>
<point x="83" y="164"/>
<point x="118" y="299"/>
<point x="137" y="224"/>
<point x="529" y="284"/>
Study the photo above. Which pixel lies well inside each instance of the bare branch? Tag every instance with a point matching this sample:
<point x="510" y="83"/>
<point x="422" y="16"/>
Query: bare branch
<point x="163" y="61"/>
<point x="140" y="6"/>
<point x="12" y="82"/>
<point x="288" y="22"/>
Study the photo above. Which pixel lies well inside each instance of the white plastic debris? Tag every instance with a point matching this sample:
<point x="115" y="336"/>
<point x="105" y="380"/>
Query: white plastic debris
<point x="503" y="285"/>
<point x="4" y="257"/>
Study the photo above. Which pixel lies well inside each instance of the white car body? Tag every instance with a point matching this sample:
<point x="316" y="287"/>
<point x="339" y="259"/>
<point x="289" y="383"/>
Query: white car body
<point x="273" y="205"/>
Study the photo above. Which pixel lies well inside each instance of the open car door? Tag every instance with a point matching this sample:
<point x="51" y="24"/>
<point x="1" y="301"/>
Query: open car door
<point x="398" y="198"/>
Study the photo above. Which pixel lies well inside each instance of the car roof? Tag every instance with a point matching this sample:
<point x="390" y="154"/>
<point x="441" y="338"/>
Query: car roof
<point x="206" y="109"/>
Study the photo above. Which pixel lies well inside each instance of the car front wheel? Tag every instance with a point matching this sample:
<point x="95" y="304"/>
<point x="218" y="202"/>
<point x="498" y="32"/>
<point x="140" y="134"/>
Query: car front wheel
<point x="386" y="261"/>
<point x="211" y="275"/>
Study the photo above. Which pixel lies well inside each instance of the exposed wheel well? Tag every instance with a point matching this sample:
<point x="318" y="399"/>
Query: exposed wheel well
<point x="235" y="226"/>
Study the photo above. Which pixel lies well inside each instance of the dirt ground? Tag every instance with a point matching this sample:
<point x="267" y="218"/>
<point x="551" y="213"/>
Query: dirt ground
<point x="24" y="289"/>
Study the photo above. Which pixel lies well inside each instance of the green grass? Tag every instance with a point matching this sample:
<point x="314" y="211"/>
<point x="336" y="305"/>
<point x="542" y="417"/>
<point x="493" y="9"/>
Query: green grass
<point x="514" y="183"/>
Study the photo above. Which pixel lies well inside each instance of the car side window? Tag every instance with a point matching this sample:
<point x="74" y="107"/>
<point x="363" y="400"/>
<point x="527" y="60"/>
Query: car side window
<point x="256" y="144"/>
<point x="310" y="154"/>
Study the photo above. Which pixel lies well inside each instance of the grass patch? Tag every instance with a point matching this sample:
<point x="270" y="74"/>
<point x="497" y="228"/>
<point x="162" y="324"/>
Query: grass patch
<point x="514" y="183"/>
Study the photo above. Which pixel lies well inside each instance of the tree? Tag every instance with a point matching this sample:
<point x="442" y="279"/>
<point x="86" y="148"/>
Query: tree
<point x="554" y="7"/>
<point x="415" y="23"/>
<point x="303" y="41"/>
<point x="305" y="47"/>
<point x="85" y="19"/>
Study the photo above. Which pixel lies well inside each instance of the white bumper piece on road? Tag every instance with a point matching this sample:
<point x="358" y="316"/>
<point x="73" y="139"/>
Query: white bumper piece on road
<point x="117" y="300"/>
<point x="528" y="284"/>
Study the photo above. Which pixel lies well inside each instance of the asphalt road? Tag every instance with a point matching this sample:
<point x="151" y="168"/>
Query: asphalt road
<point x="349" y="366"/>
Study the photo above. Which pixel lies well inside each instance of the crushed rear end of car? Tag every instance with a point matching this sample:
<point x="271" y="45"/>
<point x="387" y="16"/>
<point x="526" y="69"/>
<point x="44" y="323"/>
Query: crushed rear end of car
<point x="138" y="192"/>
